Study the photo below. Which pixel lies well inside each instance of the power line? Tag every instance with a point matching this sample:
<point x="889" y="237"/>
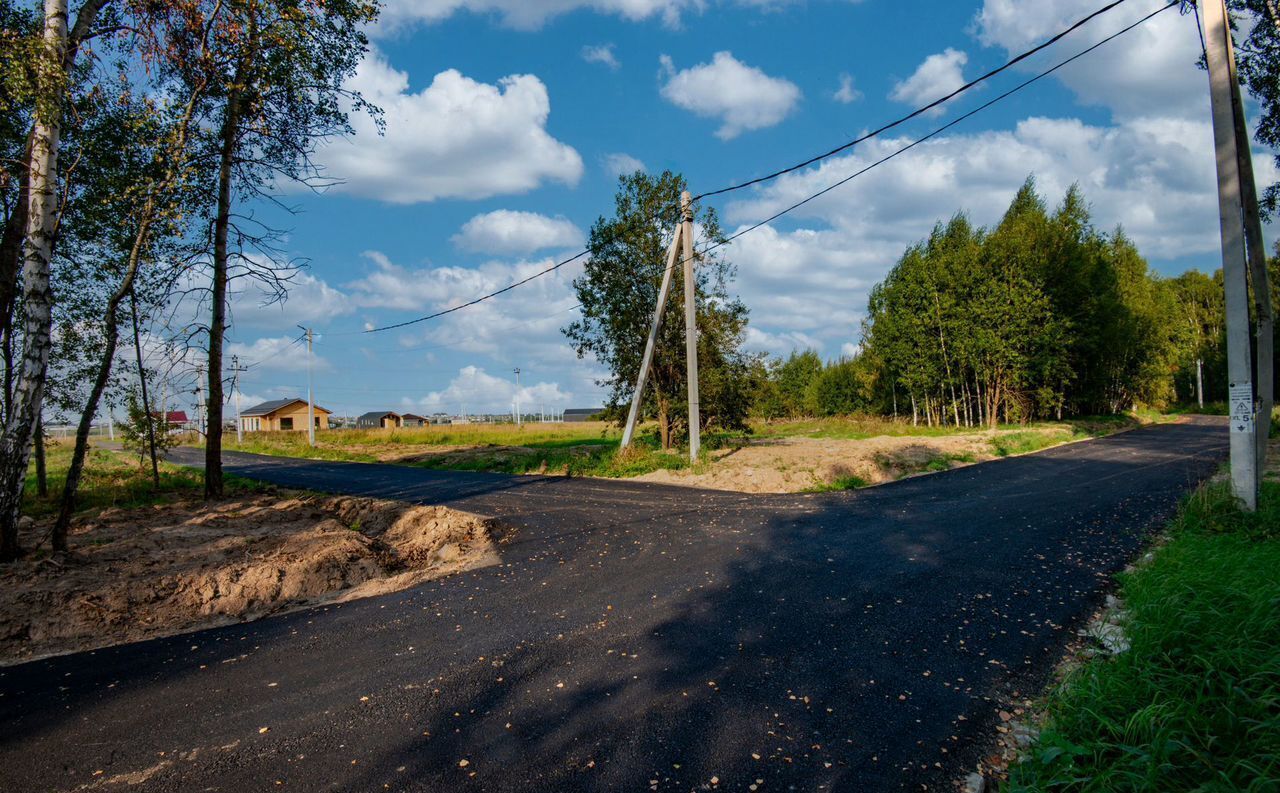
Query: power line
<point x="919" y="111"/>
<point x="941" y="129"/>
<point x="843" y="147"/>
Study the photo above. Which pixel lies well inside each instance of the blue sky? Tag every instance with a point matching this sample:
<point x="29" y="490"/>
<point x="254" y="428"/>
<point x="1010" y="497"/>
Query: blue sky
<point x="508" y="120"/>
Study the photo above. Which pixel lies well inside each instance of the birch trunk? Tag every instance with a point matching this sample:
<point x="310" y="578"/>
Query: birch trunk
<point x="37" y="297"/>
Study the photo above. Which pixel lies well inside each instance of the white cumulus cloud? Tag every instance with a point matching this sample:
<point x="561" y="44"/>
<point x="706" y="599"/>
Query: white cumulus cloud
<point x="618" y="163"/>
<point x="527" y="14"/>
<point x="505" y="232"/>
<point x="1150" y="71"/>
<point x="938" y="75"/>
<point x="742" y="97"/>
<point x="601" y="54"/>
<point x="276" y="353"/>
<point x="476" y="391"/>
<point x="456" y="138"/>
<point x="846" y="93"/>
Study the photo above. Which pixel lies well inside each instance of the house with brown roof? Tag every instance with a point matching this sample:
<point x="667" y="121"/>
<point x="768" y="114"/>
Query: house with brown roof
<point x="282" y="415"/>
<point x="413" y="420"/>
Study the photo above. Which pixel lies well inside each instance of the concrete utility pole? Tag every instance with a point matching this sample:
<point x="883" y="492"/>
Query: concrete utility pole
<point x="690" y="325"/>
<point x="516" y="401"/>
<point x="236" y="369"/>
<point x="311" y="403"/>
<point x="664" y="293"/>
<point x="1243" y="429"/>
<point x="1200" y="382"/>
<point x="1264" y="330"/>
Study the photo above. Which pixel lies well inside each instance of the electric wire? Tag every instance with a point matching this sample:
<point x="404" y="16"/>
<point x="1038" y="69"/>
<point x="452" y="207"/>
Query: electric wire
<point x="843" y="147"/>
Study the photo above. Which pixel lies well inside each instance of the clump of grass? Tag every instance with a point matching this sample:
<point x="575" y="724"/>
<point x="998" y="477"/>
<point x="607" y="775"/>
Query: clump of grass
<point x="847" y="482"/>
<point x="1194" y="704"/>
<point x="1011" y="443"/>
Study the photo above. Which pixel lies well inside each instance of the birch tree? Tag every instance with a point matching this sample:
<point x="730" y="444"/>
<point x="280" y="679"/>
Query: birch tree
<point x="54" y="57"/>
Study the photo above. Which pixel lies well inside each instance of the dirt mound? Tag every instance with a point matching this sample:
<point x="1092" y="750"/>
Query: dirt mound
<point x="157" y="571"/>
<point x="789" y="465"/>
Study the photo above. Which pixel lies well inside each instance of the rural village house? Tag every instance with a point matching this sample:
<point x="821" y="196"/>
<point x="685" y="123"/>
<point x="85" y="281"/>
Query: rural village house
<point x="282" y="415"/>
<point x="386" y="419"/>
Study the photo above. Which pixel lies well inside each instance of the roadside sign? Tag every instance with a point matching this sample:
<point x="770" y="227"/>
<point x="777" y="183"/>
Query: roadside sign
<point x="1240" y="400"/>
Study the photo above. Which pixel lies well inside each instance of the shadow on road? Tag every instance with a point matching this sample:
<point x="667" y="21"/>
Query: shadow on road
<point x="858" y="641"/>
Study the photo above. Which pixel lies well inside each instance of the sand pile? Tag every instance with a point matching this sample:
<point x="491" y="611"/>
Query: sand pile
<point x="150" y="572"/>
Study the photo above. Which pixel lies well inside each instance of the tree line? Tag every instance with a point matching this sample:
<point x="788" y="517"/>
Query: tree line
<point x="132" y="136"/>
<point x="1041" y="316"/>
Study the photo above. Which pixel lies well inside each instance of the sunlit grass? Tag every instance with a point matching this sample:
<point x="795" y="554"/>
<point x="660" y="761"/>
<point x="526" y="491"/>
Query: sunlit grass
<point x="1194" y="704"/>
<point x="115" y="479"/>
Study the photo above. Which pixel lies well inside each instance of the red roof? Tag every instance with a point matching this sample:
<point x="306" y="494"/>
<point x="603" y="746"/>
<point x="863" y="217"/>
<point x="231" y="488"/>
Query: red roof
<point x="174" y="416"/>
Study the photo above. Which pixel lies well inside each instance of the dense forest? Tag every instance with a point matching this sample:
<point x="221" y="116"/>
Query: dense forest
<point x="1041" y="316"/>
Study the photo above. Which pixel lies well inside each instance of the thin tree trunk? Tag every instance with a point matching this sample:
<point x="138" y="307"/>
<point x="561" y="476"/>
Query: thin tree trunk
<point x="42" y="471"/>
<point x="142" y="382"/>
<point x="218" y="320"/>
<point x="37" y="297"/>
<point x="664" y="424"/>
<point x="111" y="331"/>
<point x="15" y="230"/>
<point x="915" y="413"/>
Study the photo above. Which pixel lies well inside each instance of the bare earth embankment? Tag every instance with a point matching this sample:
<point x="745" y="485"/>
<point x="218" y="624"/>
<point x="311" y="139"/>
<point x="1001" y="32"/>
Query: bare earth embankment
<point x="155" y="571"/>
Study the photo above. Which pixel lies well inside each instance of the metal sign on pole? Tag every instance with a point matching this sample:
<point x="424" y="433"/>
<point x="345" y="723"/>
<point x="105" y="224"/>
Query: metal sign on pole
<point x="1243" y="427"/>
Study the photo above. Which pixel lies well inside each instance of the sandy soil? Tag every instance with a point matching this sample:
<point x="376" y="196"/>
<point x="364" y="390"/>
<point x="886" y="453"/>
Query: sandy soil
<point x="149" y="572"/>
<point x="789" y="465"/>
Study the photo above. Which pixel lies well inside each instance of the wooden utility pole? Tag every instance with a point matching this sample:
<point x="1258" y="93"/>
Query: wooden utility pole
<point x="1264" y="330"/>
<point x="690" y="325"/>
<point x="1243" y="427"/>
<point x="664" y="293"/>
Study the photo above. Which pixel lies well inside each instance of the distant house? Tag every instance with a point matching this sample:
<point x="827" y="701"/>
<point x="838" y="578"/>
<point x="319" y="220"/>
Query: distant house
<point x="583" y="414"/>
<point x="414" y="420"/>
<point x="386" y="419"/>
<point x="282" y="415"/>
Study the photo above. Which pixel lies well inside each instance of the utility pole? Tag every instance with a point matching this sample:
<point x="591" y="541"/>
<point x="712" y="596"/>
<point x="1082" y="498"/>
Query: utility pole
<point x="200" y="428"/>
<point x="690" y="326"/>
<point x="311" y="403"/>
<point x="516" y="401"/>
<point x="1264" y="330"/>
<point x="664" y="293"/>
<point x="1200" y="382"/>
<point x="1243" y="429"/>
<point x="236" y="369"/>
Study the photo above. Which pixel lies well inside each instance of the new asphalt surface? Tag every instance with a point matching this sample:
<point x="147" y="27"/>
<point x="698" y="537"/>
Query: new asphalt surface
<point x="633" y="637"/>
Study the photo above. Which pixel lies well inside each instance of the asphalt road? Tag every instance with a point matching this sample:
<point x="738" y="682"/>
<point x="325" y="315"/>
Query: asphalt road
<point x="634" y="637"/>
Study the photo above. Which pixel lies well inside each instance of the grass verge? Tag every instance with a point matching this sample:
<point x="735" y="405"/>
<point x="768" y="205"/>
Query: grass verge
<point x="1194" y="704"/>
<point x="114" y="479"/>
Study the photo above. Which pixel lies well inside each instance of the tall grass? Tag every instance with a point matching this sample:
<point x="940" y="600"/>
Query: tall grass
<point x="114" y="479"/>
<point x="1194" y="704"/>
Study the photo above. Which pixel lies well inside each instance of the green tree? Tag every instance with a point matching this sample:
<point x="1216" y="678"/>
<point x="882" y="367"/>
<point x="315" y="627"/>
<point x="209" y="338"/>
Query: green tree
<point x="272" y="73"/>
<point x="618" y="291"/>
<point x="793" y="377"/>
